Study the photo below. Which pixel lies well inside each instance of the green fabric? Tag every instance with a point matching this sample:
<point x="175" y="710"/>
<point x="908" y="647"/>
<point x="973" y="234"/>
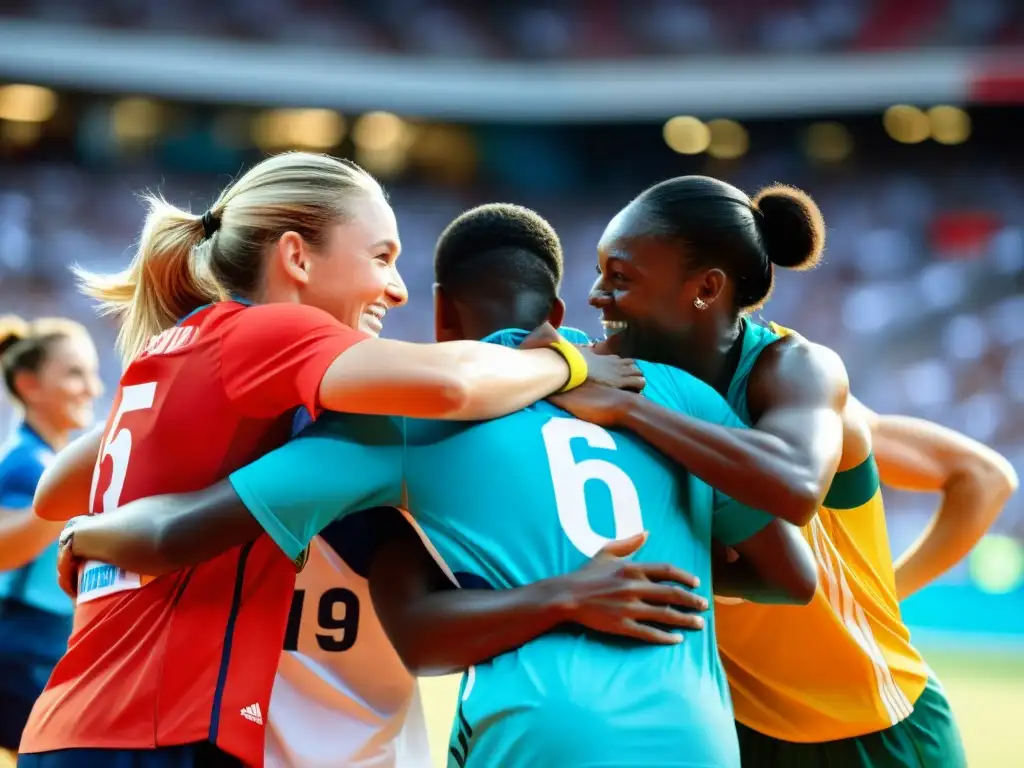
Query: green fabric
<point x="928" y="738"/>
<point x="855" y="487"/>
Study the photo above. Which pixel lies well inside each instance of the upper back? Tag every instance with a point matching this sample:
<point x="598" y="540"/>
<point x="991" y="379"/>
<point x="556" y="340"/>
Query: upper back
<point x="546" y="491"/>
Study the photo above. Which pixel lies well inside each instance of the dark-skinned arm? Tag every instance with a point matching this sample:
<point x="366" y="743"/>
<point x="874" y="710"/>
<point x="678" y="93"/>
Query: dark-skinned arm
<point x="786" y="463"/>
<point x="291" y="494"/>
<point x="438" y="629"/>
<point x="161" y="534"/>
<point x="752" y="573"/>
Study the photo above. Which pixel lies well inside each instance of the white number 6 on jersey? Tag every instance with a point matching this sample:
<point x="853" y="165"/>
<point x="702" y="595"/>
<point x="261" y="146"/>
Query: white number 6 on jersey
<point x="569" y="477"/>
<point x="118" y="445"/>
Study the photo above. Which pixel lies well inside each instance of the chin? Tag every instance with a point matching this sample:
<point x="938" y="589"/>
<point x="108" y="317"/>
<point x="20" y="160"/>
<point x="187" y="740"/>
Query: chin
<point x="644" y="343"/>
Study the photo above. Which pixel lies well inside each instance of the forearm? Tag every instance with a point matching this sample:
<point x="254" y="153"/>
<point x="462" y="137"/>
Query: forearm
<point x="23" y="537"/>
<point x="751" y="466"/>
<point x="968" y="508"/>
<point x="449" y="630"/>
<point x="775" y="566"/>
<point x="739" y="579"/>
<point x="458" y="380"/>
<point x="499" y="380"/>
<point x="162" y="534"/>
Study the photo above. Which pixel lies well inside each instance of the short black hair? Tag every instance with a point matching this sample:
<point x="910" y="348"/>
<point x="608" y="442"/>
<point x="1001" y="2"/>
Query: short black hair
<point x="499" y="251"/>
<point x="746" y="238"/>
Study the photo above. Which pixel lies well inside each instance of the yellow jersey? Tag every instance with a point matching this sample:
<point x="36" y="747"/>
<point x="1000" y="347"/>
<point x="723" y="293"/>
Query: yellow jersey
<point x="842" y="666"/>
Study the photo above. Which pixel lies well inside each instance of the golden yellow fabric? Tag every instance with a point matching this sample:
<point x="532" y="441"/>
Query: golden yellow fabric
<point x="843" y="665"/>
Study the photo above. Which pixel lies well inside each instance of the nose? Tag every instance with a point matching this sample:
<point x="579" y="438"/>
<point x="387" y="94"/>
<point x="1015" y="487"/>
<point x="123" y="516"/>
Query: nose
<point x="95" y="387"/>
<point x="397" y="293"/>
<point x="599" y="298"/>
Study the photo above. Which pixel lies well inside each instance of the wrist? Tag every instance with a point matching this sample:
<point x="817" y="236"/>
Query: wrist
<point x="629" y="410"/>
<point x="555" y="599"/>
<point x="575" y="362"/>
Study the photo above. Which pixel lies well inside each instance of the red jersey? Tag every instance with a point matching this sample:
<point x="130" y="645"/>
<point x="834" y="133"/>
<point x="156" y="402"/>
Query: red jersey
<point x="189" y="656"/>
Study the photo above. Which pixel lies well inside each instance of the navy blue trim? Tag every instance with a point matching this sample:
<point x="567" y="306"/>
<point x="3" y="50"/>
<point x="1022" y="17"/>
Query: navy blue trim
<point x="469" y="580"/>
<point x="229" y="636"/>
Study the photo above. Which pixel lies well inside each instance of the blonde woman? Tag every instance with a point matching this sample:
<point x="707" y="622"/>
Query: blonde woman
<point x="270" y="301"/>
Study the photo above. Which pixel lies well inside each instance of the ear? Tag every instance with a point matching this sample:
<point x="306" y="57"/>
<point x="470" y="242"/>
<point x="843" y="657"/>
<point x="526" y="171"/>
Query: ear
<point x="446" y="318"/>
<point x="557" y="314"/>
<point x="711" y="285"/>
<point x="293" y="257"/>
<point x="26" y="384"/>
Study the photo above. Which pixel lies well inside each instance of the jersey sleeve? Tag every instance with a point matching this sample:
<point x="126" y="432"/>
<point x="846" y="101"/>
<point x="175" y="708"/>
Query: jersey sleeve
<point x="274" y="356"/>
<point x="19" y="476"/>
<point x="733" y="522"/>
<point x="335" y="467"/>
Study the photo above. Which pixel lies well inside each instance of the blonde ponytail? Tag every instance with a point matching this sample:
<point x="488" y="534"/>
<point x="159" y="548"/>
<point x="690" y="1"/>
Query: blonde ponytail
<point x="182" y="264"/>
<point x="163" y="283"/>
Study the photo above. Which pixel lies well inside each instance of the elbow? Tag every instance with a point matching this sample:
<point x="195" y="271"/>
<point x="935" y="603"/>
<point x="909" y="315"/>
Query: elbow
<point x="802" y="500"/>
<point x="798" y="586"/>
<point x="46" y="506"/>
<point x="451" y="396"/>
<point x="804" y="587"/>
<point x="420" y="659"/>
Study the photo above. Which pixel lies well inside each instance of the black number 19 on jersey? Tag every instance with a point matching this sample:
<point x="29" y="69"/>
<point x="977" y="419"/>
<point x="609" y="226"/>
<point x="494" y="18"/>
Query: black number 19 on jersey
<point x="337" y="614"/>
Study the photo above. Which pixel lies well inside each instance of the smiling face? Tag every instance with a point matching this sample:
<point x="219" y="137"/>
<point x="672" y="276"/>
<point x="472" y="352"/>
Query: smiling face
<point x="354" y="276"/>
<point x="62" y="390"/>
<point x="643" y="290"/>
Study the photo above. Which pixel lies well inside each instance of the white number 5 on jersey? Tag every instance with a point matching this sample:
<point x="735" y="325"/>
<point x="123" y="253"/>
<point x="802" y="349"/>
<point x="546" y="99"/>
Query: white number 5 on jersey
<point x="569" y="477"/>
<point x="118" y="445"/>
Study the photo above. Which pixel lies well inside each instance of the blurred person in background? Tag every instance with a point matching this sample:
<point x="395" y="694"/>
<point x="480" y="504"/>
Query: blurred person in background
<point x="50" y="372"/>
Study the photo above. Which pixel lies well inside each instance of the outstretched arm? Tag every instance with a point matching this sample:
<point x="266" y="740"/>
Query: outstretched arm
<point x="338" y="466"/>
<point x="785" y="464"/>
<point x="974" y="481"/>
<point x="161" y="534"/>
<point x="438" y="629"/>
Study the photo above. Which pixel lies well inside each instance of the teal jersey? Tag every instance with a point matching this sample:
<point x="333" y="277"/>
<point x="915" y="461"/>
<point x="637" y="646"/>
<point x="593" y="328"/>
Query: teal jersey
<point x="755" y="338"/>
<point x="509" y="502"/>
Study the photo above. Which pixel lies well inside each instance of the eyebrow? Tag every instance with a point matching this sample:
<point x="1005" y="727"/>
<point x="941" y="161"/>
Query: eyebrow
<point x="391" y="244"/>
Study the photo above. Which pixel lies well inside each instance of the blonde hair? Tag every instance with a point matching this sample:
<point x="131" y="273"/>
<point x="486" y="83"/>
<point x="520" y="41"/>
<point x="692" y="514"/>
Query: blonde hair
<point x="179" y="267"/>
<point x="24" y="344"/>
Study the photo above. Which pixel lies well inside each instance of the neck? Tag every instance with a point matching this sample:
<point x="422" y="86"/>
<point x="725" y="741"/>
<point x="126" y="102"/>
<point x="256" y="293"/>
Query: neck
<point x="481" y="320"/>
<point x="707" y="351"/>
<point x="53" y="436"/>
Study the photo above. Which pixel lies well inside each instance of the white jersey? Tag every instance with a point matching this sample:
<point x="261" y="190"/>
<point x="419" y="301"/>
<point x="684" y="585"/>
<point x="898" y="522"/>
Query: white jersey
<point x="342" y="697"/>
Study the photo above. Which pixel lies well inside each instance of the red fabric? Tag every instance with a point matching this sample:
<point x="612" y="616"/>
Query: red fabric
<point x="143" y="667"/>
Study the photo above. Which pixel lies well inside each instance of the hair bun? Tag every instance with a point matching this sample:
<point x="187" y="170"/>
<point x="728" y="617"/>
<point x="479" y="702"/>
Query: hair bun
<point x="791" y="225"/>
<point x="12" y="330"/>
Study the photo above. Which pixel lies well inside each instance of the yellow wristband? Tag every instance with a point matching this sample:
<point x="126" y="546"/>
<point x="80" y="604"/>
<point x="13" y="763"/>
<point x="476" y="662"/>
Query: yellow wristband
<point x="577" y="363"/>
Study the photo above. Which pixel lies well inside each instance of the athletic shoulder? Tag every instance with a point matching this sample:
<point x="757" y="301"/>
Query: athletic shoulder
<point x="794" y="370"/>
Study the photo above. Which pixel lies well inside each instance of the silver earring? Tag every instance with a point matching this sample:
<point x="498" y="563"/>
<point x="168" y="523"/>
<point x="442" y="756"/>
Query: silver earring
<point x="699" y="303"/>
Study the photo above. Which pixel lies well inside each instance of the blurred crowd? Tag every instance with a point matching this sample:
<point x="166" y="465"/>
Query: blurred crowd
<point x="559" y="28"/>
<point x="921" y="290"/>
